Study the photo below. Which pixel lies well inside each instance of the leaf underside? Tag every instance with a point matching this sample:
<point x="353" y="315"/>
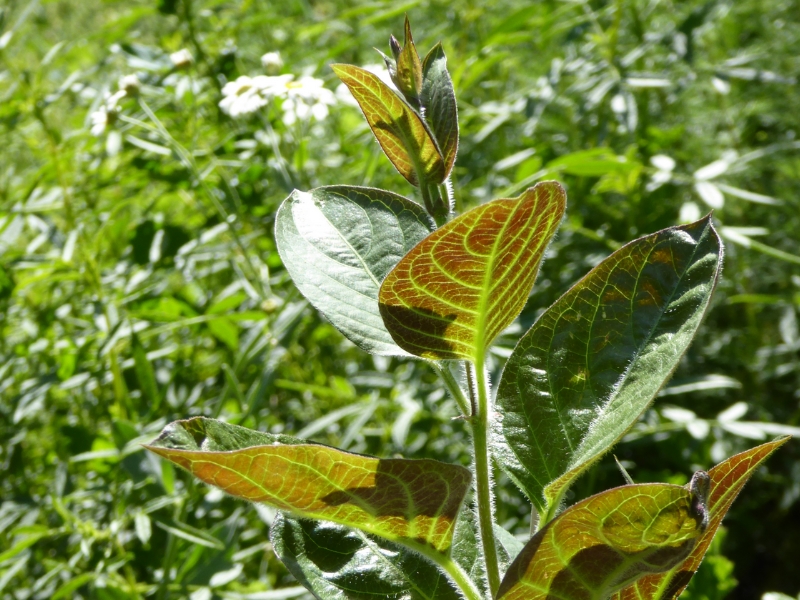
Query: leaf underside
<point x="338" y="243"/>
<point x="593" y="362"/>
<point x="400" y="131"/>
<point x="413" y="502"/>
<point x="727" y="480"/>
<point x="339" y="563"/>
<point x="439" y="99"/>
<point x="462" y="285"/>
<point x="604" y="542"/>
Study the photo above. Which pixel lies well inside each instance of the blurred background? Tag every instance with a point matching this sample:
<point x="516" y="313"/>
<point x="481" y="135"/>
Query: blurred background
<point x="144" y="155"/>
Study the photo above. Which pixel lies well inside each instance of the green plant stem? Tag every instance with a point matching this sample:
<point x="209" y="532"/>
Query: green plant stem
<point x="452" y="385"/>
<point x="479" y="389"/>
<point x="449" y="566"/>
<point x="188" y="160"/>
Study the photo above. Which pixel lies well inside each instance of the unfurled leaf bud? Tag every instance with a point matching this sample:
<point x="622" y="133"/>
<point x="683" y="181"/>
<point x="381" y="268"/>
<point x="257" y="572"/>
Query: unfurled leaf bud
<point x="409" y="69"/>
<point x="395" y="46"/>
<point x="406" y="68"/>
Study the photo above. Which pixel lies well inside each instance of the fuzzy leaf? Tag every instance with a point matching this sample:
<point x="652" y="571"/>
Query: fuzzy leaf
<point x="727" y="480"/>
<point x="413" y="502"/>
<point x="409" y="69"/>
<point x="338" y="563"/>
<point x="439" y="100"/>
<point x="603" y="543"/>
<point x="338" y="243"/>
<point x="593" y="362"/>
<point x="400" y="131"/>
<point x="462" y="285"/>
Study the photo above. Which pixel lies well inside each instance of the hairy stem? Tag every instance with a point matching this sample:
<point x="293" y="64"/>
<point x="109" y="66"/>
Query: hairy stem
<point x="453" y="569"/>
<point x="453" y="387"/>
<point x="478" y="383"/>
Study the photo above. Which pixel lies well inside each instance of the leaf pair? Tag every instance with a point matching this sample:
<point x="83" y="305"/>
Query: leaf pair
<point x="631" y="543"/>
<point x="592" y="549"/>
<point x="418" y="128"/>
<point x="726" y="481"/>
<point x="370" y="261"/>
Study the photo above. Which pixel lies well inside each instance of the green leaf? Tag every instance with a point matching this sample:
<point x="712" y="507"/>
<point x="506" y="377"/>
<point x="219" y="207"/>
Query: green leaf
<point x="439" y="101"/>
<point x="591" y="163"/>
<point x="338" y="243"/>
<point x="462" y="285"/>
<point x="338" y="563"/>
<point x="727" y="480"/>
<point x="145" y="374"/>
<point x="593" y="362"/>
<point x="607" y="541"/>
<point x="225" y="331"/>
<point x="6" y="283"/>
<point x="400" y="131"/>
<point x="414" y="502"/>
<point x="408" y="78"/>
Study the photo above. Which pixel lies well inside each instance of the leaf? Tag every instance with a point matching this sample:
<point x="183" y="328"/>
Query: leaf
<point x="400" y="131"/>
<point x="145" y="374"/>
<point x="591" y="163"/>
<point x="594" y="361"/>
<point x="338" y="563"/>
<point x="225" y="331"/>
<point x="414" y="502"/>
<point x="710" y="194"/>
<point x="727" y="480"/>
<point x="409" y="68"/>
<point x="338" y="243"/>
<point x="439" y="101"/>
<point x="606" y="541"/>
<point x="462" y="285"/>
<point x="6" y="283"/>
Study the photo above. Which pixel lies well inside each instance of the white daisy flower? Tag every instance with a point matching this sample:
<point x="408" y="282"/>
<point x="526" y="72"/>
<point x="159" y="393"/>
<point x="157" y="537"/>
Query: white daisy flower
<point x="306" y="98"/>
<point x="130" y="84"/>
<point x="303" y="99"/>
<point x="241" y="97"/>
<point x="181" y="59"/>
<point x="272" y="62"/>
<point x="101" y="119"/>
<point x="107" y="113"/>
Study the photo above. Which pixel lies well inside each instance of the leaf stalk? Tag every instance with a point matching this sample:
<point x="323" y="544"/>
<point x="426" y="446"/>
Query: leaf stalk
<point x="479" y="384"/>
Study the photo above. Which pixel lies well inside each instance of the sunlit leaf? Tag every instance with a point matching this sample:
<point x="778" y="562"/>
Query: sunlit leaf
<point x="409" y="68"/>
<point x="338" y="243"/>
<point x="439" y="101"/>
<point x="593" y="362"/>
<point x="727" y="480"/>
<point x="591" y="163"/>
<point x="414" y="502"/>
<point x="603" y="543"/>
<point x="462" y="285"/>
<point x="400" y="131"/>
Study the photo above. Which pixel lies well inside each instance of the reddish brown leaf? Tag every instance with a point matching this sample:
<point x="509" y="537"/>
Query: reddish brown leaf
<point x="414" y="502"/>
<point x="400" y="131"/>
<point x="601" y="544"/>
<point x="462" y="285"/>
<point x="727" y="480"/>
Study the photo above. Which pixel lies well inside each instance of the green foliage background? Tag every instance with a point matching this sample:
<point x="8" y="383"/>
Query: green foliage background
<point x="139" y="281"/>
